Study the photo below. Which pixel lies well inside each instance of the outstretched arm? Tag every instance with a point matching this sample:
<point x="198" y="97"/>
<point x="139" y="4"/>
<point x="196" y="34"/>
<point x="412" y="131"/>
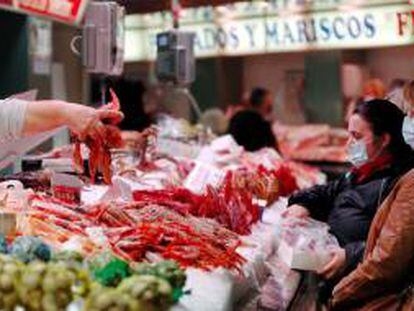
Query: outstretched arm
<point x="46" y="115"/>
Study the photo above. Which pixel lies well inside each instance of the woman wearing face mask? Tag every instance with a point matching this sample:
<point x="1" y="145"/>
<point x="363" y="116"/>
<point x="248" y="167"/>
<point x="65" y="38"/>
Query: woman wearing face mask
<point x="380" y="157"/>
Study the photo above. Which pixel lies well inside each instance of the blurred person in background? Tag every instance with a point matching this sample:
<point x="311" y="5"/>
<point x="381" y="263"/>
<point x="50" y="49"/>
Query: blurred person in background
<point x="380" y="156"/>
<point x="409" y="95"/>
<point x="232" y="109"/>
<point x="161" y="101"/>
<point x="216" y="120"/>
<point x="130" y="92"/>
<point x="372" y="89"/>
<point x="152" y="101"/>
<point x="261" y="100"/>
<point x="408" y="125"/>
<point x="395" y="94"/>
<point x="251" y="127"/>
<point x="178" y="103"/>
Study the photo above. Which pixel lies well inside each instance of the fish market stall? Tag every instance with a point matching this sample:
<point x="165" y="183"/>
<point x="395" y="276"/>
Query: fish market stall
<point x="215" y="213"/>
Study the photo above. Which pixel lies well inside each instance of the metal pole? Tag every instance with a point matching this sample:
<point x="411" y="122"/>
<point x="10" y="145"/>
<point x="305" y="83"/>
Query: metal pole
<point x="175" y="9"/>
<point x="103" y="90"/>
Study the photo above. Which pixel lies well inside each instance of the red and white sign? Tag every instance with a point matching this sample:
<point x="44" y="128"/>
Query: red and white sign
<point x="6" y="2"/>
<point x="67" y="11"/>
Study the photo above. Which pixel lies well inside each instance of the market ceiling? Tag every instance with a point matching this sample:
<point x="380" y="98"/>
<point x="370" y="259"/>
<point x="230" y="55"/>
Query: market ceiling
<point x="149" y="6"/>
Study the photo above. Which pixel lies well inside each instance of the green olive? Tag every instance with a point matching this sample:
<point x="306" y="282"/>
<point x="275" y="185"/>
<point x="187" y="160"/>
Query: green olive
<point x="31" y="280"/>
<point x="164" y="288"/>
<point x="49" y="303"/>
<point x="10" y="268"/>
<point x="138" y="289"/>
<point x="103" y="301"/>
<point x="6" y="282"/>
<point x="48" y="284"/>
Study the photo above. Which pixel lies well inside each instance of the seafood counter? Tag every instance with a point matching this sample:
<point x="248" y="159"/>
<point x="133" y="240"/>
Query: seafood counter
<point x="312" y="142"/>
<point x="179" y="225"/>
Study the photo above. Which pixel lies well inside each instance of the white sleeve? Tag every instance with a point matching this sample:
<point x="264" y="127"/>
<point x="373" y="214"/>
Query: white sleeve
<point x="12" y="117"/>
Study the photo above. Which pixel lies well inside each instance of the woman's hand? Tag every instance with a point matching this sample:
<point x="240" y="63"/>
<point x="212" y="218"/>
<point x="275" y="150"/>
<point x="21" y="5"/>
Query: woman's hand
<point x="86" y="121"/>
<point x="133" y="140"/>
<point x="296" y="211"/>
<point x="335" y="266"/>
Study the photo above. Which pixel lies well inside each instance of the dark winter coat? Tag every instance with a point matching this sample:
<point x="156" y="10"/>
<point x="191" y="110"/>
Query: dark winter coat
<point x="349" y="207"/>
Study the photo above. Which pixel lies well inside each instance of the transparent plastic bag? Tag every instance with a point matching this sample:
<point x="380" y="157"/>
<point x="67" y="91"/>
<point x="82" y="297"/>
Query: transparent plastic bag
<point x="306" y="244"/>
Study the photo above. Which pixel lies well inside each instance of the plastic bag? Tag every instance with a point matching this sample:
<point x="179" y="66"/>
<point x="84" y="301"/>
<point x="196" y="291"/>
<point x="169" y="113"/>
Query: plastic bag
<point x="13" y="197"/>
<point x="210" y="291"/>
<point x="202" y="176"/>
<point x="222" y="152"/>
<point x="306" y="244"/>
<point x="178" y="149"/>
<point x="281" y="286"/>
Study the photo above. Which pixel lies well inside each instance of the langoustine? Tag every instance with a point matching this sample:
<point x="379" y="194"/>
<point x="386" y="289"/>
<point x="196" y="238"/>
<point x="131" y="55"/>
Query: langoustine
<point x="230" y="206"/>
<point x="99" y="151"/>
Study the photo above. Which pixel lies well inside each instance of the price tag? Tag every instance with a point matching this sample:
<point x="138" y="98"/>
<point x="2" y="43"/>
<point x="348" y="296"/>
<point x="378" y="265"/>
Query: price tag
<point x="66" y="188"/>
<point x="203" y="175"/>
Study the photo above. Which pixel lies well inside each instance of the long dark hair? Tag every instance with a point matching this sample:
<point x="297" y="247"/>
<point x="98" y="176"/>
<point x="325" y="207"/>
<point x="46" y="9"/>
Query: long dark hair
<point x="386" y="118"/>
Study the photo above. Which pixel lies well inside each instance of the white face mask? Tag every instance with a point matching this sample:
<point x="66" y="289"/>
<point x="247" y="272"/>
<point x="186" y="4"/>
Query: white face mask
<point x="357" y="153"/>
<point x="408" y="131"/>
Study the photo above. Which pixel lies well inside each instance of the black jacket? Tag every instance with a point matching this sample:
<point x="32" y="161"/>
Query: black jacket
<point x="349" y="208"/>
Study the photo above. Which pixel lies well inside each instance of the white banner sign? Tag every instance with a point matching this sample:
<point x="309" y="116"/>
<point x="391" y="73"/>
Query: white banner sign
<point x="390" y="25"/>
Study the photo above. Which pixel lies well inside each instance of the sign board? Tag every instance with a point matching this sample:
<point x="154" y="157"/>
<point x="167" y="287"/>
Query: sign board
<point x="256" y="8"/>
<point x="67" y="11"/>
<point x="365" y="27"/>
<point x="6" y="3"/>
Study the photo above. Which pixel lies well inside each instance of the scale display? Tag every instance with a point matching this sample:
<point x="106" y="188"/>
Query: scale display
<point x="175" y="57"/>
